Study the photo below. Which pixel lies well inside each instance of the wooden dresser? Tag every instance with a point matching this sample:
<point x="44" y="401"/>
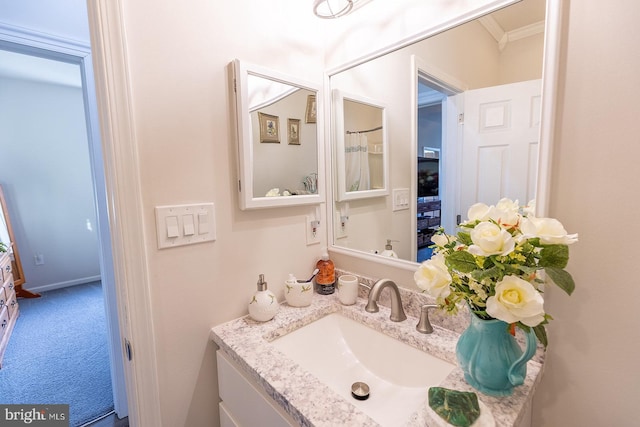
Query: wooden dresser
<point x="8" y="303"/>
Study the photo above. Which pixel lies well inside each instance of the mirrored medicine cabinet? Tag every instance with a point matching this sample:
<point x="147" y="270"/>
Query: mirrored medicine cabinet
<point x="279" y="136"/>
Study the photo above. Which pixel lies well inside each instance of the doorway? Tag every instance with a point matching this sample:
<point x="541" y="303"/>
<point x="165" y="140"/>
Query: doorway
<point x="79" y="57"/>
<point x="438" y="102"/>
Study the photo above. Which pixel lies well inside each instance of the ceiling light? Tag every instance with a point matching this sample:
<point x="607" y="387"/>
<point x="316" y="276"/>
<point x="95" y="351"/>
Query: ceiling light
<point x="328" y="9"/>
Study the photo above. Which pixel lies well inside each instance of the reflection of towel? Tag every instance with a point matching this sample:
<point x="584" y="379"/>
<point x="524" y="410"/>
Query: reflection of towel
<point x="356" y="162"/>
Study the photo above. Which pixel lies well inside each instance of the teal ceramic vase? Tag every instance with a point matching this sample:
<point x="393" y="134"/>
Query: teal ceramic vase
<point x="490" y="357"/>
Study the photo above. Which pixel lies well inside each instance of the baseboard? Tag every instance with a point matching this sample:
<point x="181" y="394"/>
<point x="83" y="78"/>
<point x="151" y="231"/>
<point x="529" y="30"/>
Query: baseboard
<point x="66" y="284"/>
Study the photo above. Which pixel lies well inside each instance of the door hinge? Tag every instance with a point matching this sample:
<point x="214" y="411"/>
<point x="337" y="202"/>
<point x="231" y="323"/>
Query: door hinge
<point x="235" y="87"/>
<point x="128" y="350"/>
<point x="240" y="186"/>
<point x="461" y="118"/>
<point x="458" y="219"/>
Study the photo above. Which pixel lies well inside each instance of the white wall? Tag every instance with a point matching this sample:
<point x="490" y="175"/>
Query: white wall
<point x="591" y="375"/>
<point x="46" y="175"/>
<point x="178" y="63"/>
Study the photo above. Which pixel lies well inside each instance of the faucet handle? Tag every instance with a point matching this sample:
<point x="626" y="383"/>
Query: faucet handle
<point x="424" y="325"/>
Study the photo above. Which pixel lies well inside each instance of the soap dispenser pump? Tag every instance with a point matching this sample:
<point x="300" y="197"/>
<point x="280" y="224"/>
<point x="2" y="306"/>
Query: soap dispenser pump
<point x="388" y="250"/>
<point x="263" y="305"/>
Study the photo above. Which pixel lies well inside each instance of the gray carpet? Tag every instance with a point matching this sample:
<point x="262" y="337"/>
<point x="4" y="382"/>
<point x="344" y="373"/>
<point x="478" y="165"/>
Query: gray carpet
<point x="58" y="353"/>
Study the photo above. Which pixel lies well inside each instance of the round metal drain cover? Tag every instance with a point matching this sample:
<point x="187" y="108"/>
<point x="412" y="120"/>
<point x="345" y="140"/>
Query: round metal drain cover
<point x="360" y="390"/>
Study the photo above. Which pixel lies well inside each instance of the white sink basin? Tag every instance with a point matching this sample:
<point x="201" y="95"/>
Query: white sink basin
<point x="340" y="351"/>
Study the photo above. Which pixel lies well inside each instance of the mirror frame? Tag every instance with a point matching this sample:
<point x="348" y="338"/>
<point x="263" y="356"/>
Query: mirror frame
<point x="18" y="272"/>
<point x="547" y="124"/>
<point x="247" y="200"/>
<point x="338" y="99"/>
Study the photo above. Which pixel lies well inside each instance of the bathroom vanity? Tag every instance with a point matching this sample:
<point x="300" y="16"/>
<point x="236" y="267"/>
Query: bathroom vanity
<point x="254" y="373"/>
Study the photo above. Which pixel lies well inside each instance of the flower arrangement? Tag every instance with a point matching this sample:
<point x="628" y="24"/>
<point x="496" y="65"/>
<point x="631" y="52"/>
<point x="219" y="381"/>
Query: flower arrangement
<point x="494" y="264"/>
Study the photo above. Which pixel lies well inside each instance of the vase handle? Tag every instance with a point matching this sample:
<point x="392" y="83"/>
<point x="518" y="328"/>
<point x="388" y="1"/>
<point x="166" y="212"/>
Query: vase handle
<point x="516" y="376"/>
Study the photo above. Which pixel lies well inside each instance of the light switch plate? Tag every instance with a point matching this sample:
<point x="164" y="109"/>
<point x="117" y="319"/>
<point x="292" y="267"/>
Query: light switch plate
<point x="196" y="224"/>
<point x="400" y="199"/>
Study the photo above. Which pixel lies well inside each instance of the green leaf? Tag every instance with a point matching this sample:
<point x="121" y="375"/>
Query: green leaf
<point x="535" y="241"/>
<point x="561" y="278"/>
<point x="526" y="269"/>
<point x="554" y="256"/>
<point x="465" y="238"/>
<point x="479" y="275"/>
<point x="541" y="334"/>
<point x="462" y="261"/>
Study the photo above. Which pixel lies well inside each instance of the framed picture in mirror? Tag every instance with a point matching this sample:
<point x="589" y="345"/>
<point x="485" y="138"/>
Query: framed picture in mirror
<point x="293" y="129"/>
<point x="269" y="128"/>
<point x="310" y="116"/>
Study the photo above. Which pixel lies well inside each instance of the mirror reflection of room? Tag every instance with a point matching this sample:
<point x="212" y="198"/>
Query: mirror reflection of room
<point x="285" y="163"/>
<point x="476" y="102"/>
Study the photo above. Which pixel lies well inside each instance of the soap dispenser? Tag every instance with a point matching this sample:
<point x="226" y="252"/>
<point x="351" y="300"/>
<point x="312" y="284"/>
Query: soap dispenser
<point x="388" y="250"/>
<point x="263" y="305"/>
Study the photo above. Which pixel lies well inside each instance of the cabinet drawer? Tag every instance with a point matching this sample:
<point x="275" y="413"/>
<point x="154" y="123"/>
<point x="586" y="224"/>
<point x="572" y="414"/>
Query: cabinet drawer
<point x="3" y="298"/>
<point x="4" y="321"/>
<point x="226" y="420"/>
<point x="9" y="285"/>
<point x="12" y="304"/>
<point x="245" y="402"/>
<point x="5" y="264"/>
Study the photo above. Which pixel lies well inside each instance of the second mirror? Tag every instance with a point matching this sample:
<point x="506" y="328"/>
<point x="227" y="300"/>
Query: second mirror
<point x="361" y="147"/>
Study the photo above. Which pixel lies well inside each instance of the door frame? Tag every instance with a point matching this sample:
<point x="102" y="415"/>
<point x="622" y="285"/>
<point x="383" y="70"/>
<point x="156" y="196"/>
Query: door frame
<point x="125" y="208"/>
<point x="29" y="42"/>
<point x="451" y="88"/>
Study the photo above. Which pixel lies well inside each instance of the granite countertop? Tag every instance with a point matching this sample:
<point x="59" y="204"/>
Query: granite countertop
<point x="312" y="403"/>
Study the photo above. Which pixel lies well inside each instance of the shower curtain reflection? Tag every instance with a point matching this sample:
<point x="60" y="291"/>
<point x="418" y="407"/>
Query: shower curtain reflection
<point x="356" y="162"/>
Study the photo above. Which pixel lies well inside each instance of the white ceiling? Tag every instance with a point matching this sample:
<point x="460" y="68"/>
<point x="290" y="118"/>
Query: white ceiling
<point x="27" y="67"/>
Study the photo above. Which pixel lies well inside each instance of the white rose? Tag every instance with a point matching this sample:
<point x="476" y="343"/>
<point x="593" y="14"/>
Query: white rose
<point x="478" y="212"/>
<point x="530" y="208"/>
<point x="507" y="218"/>
<point x="440" y="239"/>
<point x="490" y="239"/>
<point x="505" y="213"/>
<point x="549" y="230"/>
<point x="516" y="300"/>
<point x="508" y="205"/>
<point x="432" y="276"/>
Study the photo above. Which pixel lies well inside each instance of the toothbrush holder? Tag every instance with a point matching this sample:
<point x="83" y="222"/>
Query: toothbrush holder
<point x="298" y="294"/>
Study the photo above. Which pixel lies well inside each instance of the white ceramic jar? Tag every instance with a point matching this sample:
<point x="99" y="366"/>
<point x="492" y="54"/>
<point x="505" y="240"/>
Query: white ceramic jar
<point x="298" y="294"/>
<point x="264" y="305"/>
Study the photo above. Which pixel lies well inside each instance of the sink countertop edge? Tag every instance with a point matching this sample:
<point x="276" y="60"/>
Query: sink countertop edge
<point x="247" y="342"/>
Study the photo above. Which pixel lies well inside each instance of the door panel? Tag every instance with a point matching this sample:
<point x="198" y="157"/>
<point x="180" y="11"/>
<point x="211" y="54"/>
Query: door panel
<point x="500" y="143"/>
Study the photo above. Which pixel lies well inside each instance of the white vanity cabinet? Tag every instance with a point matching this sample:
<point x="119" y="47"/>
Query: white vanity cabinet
<point x="243" y="403"/>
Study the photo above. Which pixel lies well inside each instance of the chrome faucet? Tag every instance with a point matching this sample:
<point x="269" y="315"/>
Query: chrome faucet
<point x="397" y="312"/>
<point x="424" y="325"/>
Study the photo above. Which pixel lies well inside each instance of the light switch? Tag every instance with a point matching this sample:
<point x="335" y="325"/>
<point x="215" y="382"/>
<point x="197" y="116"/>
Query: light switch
<point x="203" y="223"/>
<point x="400" y="199"/>
<point x="187" y="224"/>
<point x="179" y="225"/>
<point x="172" y="227"/>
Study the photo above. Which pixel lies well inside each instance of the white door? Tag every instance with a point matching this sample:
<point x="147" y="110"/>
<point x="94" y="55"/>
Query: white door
<point x="500" y="144"/>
